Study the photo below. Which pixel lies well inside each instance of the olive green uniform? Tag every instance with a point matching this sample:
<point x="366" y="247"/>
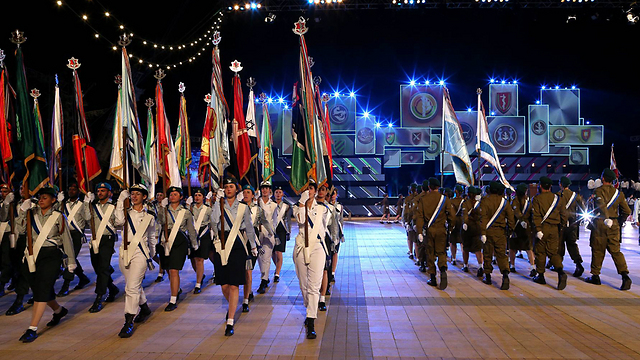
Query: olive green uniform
<point x="548" y="245"/>
<point x="471" y="216"/>
<point x="522" y="211"/>
<point x="407" y="216"/>
<point x="421" y="252"/>
<point x="606" y="238"/>
<point x="495" y="232"/>
<point x="455" y="228"/>
<point x="435" y="241"/>
<point x="569" y="235"/>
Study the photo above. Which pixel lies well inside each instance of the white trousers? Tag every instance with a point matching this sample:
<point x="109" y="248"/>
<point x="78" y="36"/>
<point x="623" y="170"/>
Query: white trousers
<point x="264" y="260"/>
<point x="133" y="276"/>
<point x="310" y="276"/>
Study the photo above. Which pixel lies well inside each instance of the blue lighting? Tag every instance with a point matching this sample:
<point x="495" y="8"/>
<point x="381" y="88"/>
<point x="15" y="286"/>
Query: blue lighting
<point x="503" y="81"/>
<point x="412" y="82"/>
<point x="543" y="87"/>
<point x="253" y="5"/>
<point x="366" y="114"/>
<point x="573" y="87"/>
<point x="492" y="80"/>
<point x="537" y="102"/>
<point x="588" y="122"/>
<point x="377" y="125"/>
<point x="269" y="100"/>
<point x="281" y="100"/>
<point x="557" y="87"/>
<point x="286" y="107"/>
<point x="336" y="94"/>
<point x="352" y="94"/>
<point x="469" y="110"/>
<point x="427" y="82"/>
<point x="515" y="81"/>
<point x="310" y="1"/>
<point x="390" y="125"/>
<point x="442" y="82"/>
<point x="493" y="113"/>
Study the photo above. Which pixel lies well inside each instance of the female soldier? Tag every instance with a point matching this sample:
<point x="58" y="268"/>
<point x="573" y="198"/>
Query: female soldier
<point x="202" y="219"/>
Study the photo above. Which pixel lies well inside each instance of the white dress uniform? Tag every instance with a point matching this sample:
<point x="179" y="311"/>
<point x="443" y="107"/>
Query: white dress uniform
<point x="310" y="274"/>
<point x="266" y="236"/>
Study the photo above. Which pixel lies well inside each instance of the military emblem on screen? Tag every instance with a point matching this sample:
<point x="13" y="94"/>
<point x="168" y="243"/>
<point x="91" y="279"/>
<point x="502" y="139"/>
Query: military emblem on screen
<point x="339" y="114"/>
<point x="503" y="102"/>
<point x="559" y="134"/>
<point x="539" y="127"/>
<point x="467" y="133"/>
<point x="365" y="135"/>
<point x="505" y="136"/>
<point x="585" y="134"/>
<point x="416" y="138"/>
<point x="390" y="137"/>
<point x="577" y="157"/>
<point x="423" y="106"/>
<point x="434" y="148"/>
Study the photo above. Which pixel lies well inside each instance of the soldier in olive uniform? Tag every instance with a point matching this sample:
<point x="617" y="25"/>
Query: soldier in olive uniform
<point x="495" y="216"/>
<point x="572" y="202"/>
<point x="421" y="251"/>
<point x="471" y="229"/>
<point x="431" y="214"/>
<point x="407" y="218"/>
<point x="548" y="217"/>
<point x="610" y="203"/>
<point x="455" y="228"/>
<point x="522" y="239"/>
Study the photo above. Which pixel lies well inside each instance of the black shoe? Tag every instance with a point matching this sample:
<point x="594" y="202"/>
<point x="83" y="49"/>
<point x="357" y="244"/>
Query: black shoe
<point x="16" y="308"/>
<point x="533" y="273"/>
<point x="276" y="279"/>
<point x="30" y="301"/>
<point x="328" y="292"/>
<point x="178" y="296"/>
<point x="539" y="279"/>
<point x="311" y="330"/>
<point x="453" y="262"/>
<point x="562" y="280"/>
<point x="263" y="287"/>
<point x="57" y="317"/>
<point x="251" y="297"/>
<point x="12" y="285"/>
<point x="487" y="279"/>
<point x="113" y="291"/>
<point x="322" y="306"/>
<point x="411" y="256"/>
<point x="332" y="279"/>
<point x="579" y="270"/>
<point x="127" y="328"/>
<point x="160" y="278"/>
<point x="64" y="290"/>
<point x="28" y="336"/>
<point x="593" y="279"/>
<point x="84" y="281"/>
<point x="505" y="281"/>
<point x="97" y="305"/>
<point x="197" y="290"/>
<point x="422" y="268"/>
<point x="548" y="266"/>
<point x="229" y="330"/>
<point x="626" y="282"/>
<point x="245" y="308"/>
<point x="480" y="272"/>
<point x="512" y="269"/>
<point x="171" y="307"/>
<point x="143" y="314"/>
<point x="443" y="279"/>
<point x="465" y="269"/>
<point x="432" y="281"/>
<point x="417" y="263"/>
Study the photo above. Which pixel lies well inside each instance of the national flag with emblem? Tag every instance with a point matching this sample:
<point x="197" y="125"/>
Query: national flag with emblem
<point x="241" y="145"/>
<point x="57" y="139"/>
<point x="485" y="147"/>
<point x="116" y="164"/>
<point x="166" y="152"/>
<point x="614" y="166"/>
<point x="151" y="150"/>
<point x="183" y="140"/>
<point x="204" y="167"/>
<point x="454" y="143"/>
<point x="266" y="143"/>
<point x="5" y="124"/>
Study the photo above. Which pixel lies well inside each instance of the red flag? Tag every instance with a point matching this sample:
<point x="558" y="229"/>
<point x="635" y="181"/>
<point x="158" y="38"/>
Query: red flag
<point x="90" y="159"/>
<point x="241" y="137"/>
<point x="5" y="139"/>
<point x="82" y="119"/>
<point x="207" y="135"/>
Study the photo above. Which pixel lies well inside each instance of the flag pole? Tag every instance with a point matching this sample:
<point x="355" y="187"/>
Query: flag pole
<point x="159" y="75"/>
<point x="443" y="139"/>
<point x="479" y="156"/>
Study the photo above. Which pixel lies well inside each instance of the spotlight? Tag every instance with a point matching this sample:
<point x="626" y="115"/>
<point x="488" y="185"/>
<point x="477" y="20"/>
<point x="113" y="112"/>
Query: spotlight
<point x="286" y="107"/>
<point x="59" y="3"/>
<point x="269" y="100"/>
<point x="588" y="122"/>
<point x="573" y="87"/>
<point x="84" y="17"/>
<point x="469" y="110"/>
<point x="366" y="114"/>
<point x="352" y="94"/>
<point x="97" y="35"/>
<point x="281" y="100"/>
<point x="377" y="125"/>
<point x="543" y="87"/>
<point x="492" y="80"/>
<point x="412" y="82"/>
<point x="441" y="82"/>
<point x="390" y="125"/>
<point x="107" y="14"/>
<point x="336" y="94"/>
<point x="427" y="82"/>
<point x="247" y="6"/>
<point x="537" y="102"/>
<point x="557" y="87"/>
<point x="493" y="113"/>
<point x="236" y="7"/>
<point x="515" y="81"/>
<point x="254" y="6"/>
<point x="121" y="27"/>
<point x="503" y="82"/>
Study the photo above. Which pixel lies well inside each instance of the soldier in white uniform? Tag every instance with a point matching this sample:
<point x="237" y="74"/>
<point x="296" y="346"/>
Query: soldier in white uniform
<point x="49" y="233"/>
<point x="310" y="261"/>
<point x="102" y="246"/>
<point x="141" y="242"/>
<point x="181" y="236"/>
<point x="322" y="198"/>
<point x="202" y="224"/>
<point x="7" y="271"/>
<point x="266" y="236"/>
<point x="338" y="215"/>
<point x="282" y="223"/>
<point x="230" y="257"/>
<point x="159" y="249"/>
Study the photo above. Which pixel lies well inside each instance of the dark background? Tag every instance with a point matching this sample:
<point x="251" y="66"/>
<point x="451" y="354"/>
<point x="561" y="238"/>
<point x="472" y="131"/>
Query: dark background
<point x="369" y="51"/>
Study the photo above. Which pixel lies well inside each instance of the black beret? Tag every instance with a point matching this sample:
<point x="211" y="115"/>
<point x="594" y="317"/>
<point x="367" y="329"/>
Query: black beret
<point x="565" y="181"/>
<point x="230" y="180"/>
<point x="521" y="189"/>
<point x="174" y="188"/>
<point x="199" y="191"/>
<point x="608" y="175"/>
<point x="47" y="191"/>
<point x="496" y="187"/>
<point x="459" y="189"/>
<point x="140" y="188"/>
<point x="545" y="181"/>
<point x="414" y="186"/>
<point x="434" y="182"/>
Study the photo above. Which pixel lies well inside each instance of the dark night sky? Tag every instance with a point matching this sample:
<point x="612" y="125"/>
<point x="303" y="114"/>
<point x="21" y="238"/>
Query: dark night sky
<point x="372" y="51"/>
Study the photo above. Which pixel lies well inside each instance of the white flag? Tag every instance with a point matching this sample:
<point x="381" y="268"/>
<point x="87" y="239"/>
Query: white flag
<point x="485" y="147"/>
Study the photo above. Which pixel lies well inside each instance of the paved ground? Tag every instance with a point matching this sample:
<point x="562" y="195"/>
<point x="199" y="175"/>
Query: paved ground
<point x="380" y="307"/>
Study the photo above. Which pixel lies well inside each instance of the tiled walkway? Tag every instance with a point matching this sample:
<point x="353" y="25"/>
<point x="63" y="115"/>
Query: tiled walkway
<point x="380" y="307"/>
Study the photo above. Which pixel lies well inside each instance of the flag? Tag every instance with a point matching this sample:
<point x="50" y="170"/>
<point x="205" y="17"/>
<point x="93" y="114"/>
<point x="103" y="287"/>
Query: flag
<point x="328" y="139"/>
<point x="151" y="150"/>
<point x="266" y="142"/>
<point x="204" y="167"/>
<point x="240" y="135"/>
<point x="5" y="132"/>
<point x="613" y="166"/>
<point x="250" y="120"/>
<point x="323" y="161"/>
<point x="454" y="143"/>
<point x="183" y="141"/>
<point x="116" y="165"/>
<point x="485" y="148"/>
<point x="38" y="120"/>
<point x="166" y="151"/>
<point x="35" y="162"/>
<point x="57" y="140"/>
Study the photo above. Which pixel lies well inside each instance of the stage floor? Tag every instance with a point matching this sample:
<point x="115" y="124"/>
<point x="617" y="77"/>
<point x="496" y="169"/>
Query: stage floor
<point x="380" y="307"/>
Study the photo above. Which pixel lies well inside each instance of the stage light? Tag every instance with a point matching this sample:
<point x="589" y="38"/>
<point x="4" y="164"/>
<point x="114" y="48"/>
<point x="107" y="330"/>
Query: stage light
<point x="107" y="14"/>
<point x="236" y="7"/>
<point x="269" y="100"/>
<point x="140" y="61"/>
<point x="515" y="81"/>
<point x="537" y="102"/>
<point x="115" y="48"/>
<point x="492" y="80"/>
<point x="573" y="87"/>
<point x="427" y="82"/>
<point x="352" y="94"/>
<point x="254" y="6"/>
<point x="259" y="6"/>
<point x="366" y="114"/>
<point x="97" y="35"/>
<point x="441" y="82"/>
<point x="281" y="100"/>
<point x="493" y="113"/>
<point x="588" y="122"/>
<point x="412" y="82"/>
<point x="503" y="82"/>
<point x="557" y="87"/>
<point x="390" y="125"/>
<point x="286" y="107"/>
<point x="336" y="94"/>
<point x="247" y="6"/>
<point x="59" y="3"/>
<point x="121" y="27"/>
<point x="84" y="17"/>
<point x="155" y="45"/>
<point x="543" y="87"/>
<point x="377" y="125"/>
<point x="469" y="110"/>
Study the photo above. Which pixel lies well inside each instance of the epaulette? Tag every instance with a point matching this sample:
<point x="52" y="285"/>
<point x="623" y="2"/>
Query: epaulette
<point x="151" y="212"/>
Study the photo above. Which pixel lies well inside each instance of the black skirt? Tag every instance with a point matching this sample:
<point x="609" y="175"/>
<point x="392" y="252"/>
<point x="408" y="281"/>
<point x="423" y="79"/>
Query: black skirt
<point x="281" y="234"/>
<point x="205" y="247"/>
<point x="178" y="254"/>
<point x="234" y="272"/>
<point x="47" y="270"/>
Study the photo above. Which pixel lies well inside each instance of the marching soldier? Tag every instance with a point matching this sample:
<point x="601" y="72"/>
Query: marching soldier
<point x="230" y="249"/>
<point x="471" y="229"/>
<point x="610" y="204"/>
<point x="521" y="241"/>
<point x="7" y="272"/>
<point x="102" y="246"/>
<point x="77" y="213"/>
<point x="330" y="234"/>
<point x="159" y="249"/>
<point x="257" y="220"/>
<point x="407" y="219"/>
<point x="431" y="213"/>
<point x="282" y="222"/>
<point x="548" y="216"/>
<point x="178" y="236"/>
<point x="572" y="202"/>
<point x="455" y="228"/>
<point x="141" y="242"/>
<point x="49" y="232"/>
<point x="21" y="277"/>
<point x="421" y="250"/>
<point x="339" y="221"/>
<point x="267" y="238"/>
<point x="202" y="225"/>
<point x="386" y="213"/>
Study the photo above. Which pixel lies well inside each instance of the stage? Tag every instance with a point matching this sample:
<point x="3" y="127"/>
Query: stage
<point x="380" y="307"/>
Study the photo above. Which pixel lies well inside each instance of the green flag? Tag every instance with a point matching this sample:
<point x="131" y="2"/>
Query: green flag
<point x="35" y="162"/>
<point x="266" y="154"/>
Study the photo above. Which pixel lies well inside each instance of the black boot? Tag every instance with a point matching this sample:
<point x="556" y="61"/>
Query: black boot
<point x="64" y="290"/>
<point x="432" y="281"/>
<point x="160" y="278"/>
<point x="16" y="307"/>
<point x="505" y="281"/>
<point x="423" y="267"/>
<point x="57" y="317"/>
<point x="562" y="279"/>
<point x="593" y="279"/>
<point x="626" y="281"/>
<point x="113" y="291"/>
<point x="322" y="306"/>
<point x="533" y="273"/>
<point x="487" y="279"/>
<point x="263" y="287"/>
<point x="228" y="331"/>
<point x="28" y="336"/>
<point x="127" y="328"/>
<point x="171" y="306"/>
<point x="143" y="314"/>
<point x="480" y="272"/>
<point x="84" y="281"/>
<point x="311" y="330"/>
<point x="245" y="308"/>
<point x="539" y="279"/>
<point x="443" y="278"/>
<point x="579" y="270"/>
<point x="197" y="290"/>
<point x="97" y="304"/>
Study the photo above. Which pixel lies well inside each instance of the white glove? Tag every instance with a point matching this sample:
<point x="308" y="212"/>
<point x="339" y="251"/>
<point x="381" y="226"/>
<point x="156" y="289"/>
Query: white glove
<point x="209" y="195"/>
<point x="90" y="197"/>
<point x="608" y="223"/>
<point x="420" y="238"/>
<point x="220" y="193"/>
<point x="124" y="194"/>
<point x="61" y="196"/>
<point x="407" y="227"/>
<point x="189" y="200"/>
<point x="483" y="238"/>
<point x="464" y="227"/>
<point x="164" y="202"/>
<point x="254" y="252"/>
<point x="71" y="267"/>
<point x="9" y="199"/>
<point x="27" y="204"/>
<point x="195" y="248"/>
<point x="523" y="224"/>
<point x="539" y="235"/>
<point x="304" y="197"/>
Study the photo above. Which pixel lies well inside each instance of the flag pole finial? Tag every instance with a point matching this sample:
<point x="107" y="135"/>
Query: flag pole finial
<point x="479" y="91"/>
<point x="124" y="40"/>
<point x="207" y="98"/>
<point x="325" y="98"/>
<point x="317" y="79"/>
<point x="73" y="63"/>
<point x="181" y="88"/>
<point x="35" y="93"/>
<point x="17" y="37"/>
<point x="2" y="57"/>
<point x="159" y="75"/>
<point x="236" y="66"/>
<point x="251" y="82"/>
<point x="263" y="98"/>
<point x="215" y="39"/>
<point x="300" y="27"/>
<point x="118" y="80"/>
<point x="149" y="103"/>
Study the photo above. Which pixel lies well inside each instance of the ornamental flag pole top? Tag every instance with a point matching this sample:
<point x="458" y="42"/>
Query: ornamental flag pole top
<point x="2" y="56"/>
<point x="124" y="40"/>
<point x="35" y="93"/>
<point x="317" y="80"/>
<point x="251" y="82"/>
<point x="17" y="37"/>
<point x="326" y="97"/>
<point x="149" y="103"/>
<point x="73" y="63"/>
<point x="118" y="80"/>
<point x="311" y="62"/>
<point x="181" y="88"/>
<point x="207" y="98"/>
<point x="235" y="66"/>
<point x="215" y="39"/>
<point x="479" y="91"/>
<point x="263" y="98"/>
<point x="159" y="74"/>
<point x="300" y="27"/>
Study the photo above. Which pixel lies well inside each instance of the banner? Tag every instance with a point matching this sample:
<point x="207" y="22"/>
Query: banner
<point x="564" y="105"/>
<point x="469" y="122"/>
<point x="342" y="113"/>
<point x="507" y="134"/>
<point x="392" y="158"/>
<point x="421" y="106"/>
<point x="343" y="145"/>
<point x="576" y="134"/>
<point x="539" y="129"/>
<point x="446" y="164"/>
<point x="434" y="149"/>
<point x="365" y="135"/>
<point x="579" y="156"/>
<point x="402" y="137"/>
<point x="411" y="157"/>
<point x="503" y="99"/>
